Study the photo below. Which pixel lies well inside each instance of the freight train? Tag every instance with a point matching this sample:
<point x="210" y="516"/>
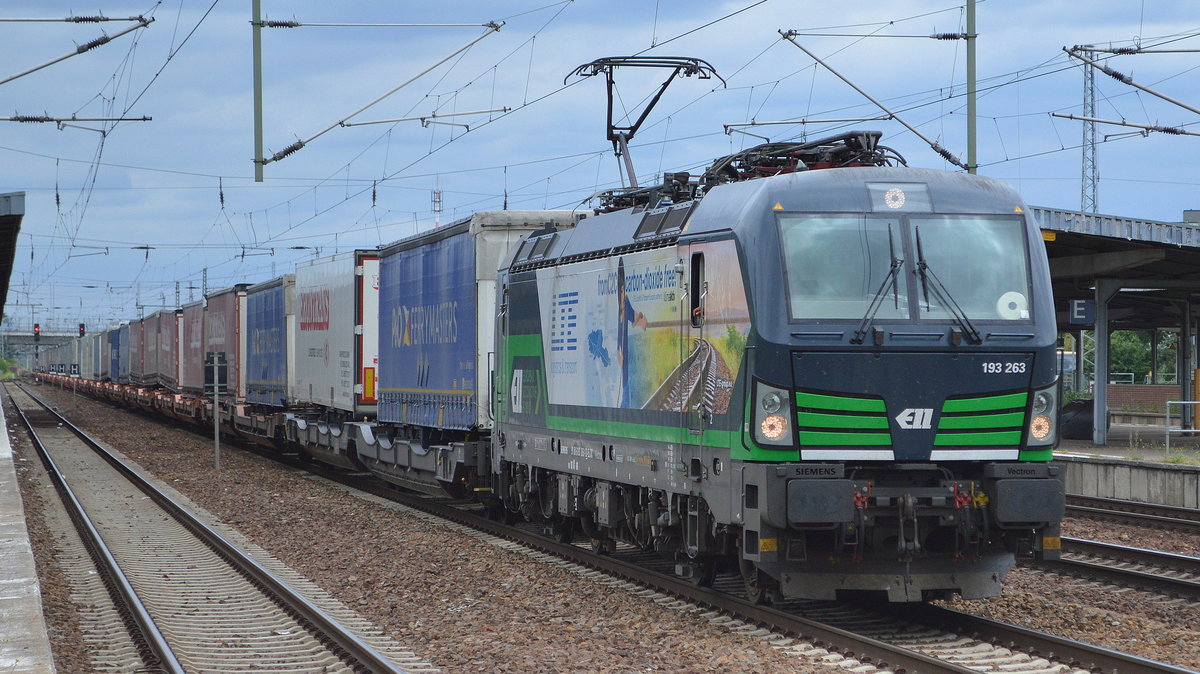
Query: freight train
<point x="812" y="365"/>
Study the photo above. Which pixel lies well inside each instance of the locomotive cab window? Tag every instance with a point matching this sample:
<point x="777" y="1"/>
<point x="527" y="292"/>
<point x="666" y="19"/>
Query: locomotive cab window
<point x="839" y="265"/>
<point x="994" y="282"/>
<point x="836" y="264"/>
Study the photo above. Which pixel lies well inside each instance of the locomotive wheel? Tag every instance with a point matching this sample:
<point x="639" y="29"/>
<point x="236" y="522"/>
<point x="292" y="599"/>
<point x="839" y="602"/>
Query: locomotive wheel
<point x="761" y="589"/>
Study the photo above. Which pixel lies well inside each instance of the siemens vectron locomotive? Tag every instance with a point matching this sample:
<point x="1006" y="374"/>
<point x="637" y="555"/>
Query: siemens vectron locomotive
<point x="808" y="365"/>
<point x="843" y="379"/>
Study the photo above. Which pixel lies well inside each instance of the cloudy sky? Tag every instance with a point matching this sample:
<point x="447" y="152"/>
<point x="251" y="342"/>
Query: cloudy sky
<point x="121" y="214"/>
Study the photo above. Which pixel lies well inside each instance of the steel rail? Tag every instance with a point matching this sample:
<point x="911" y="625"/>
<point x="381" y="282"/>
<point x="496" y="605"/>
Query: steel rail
<point x="1152" y="579"/>
<point x="1075" y="653"/>
<point x="1169" y="560"/>
<point x="150" y="634"/>
<point x="1134" y="512"/>
<point x="362" y="652"/>
<point x="847" y="643"/>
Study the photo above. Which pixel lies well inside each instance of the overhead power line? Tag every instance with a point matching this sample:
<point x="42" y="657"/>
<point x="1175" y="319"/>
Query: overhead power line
<point x="268" y="23"/>
<point x="931" y="36"/>
<point x="95" y="18"/>
<point x="946" y="154"/>
<point x="85" y="47"/>
<point x="1170" y="130"/>
<point x="1125" y="79"/>
<point x="294" y="147"/>
<point x="72" y="118"/>
<point x="426" y="120"/>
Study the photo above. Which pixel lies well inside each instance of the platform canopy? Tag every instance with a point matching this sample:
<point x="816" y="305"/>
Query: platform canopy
<point x="1156" y="264"/>
<point x="1116" y="273"/>
<point x="12" y="210"/>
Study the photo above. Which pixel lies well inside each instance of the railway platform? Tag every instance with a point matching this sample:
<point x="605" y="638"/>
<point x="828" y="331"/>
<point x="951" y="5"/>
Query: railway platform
<point x="24" y="641"/>
<point x="1135" y="465"/>
<point x="1138" y="442"/>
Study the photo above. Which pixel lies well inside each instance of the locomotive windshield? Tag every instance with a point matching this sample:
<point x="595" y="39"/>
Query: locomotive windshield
<point x="837" y="264"/>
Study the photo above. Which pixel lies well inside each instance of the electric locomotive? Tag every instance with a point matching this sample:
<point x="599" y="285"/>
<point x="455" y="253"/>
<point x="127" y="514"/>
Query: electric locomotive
<point x="831" y="373"/>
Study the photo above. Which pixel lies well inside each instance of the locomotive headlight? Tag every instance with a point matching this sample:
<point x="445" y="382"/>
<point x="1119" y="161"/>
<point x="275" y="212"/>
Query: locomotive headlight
<point x="771" y="416"/>
<point x="773" y="427"/>
<point x="1042" y="402"/>
<point x="771" y="402"/>
<point x="1043" y="416"/>
<point x="1040" y="427"/>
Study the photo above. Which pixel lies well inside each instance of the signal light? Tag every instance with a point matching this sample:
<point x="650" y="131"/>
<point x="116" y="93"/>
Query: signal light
<point x="37" y="332"/>
<point x="82" y="330"/>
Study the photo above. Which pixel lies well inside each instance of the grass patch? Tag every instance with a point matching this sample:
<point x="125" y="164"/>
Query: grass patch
<point x="1187" y="457"/>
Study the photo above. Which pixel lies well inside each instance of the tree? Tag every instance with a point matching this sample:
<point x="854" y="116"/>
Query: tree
<point x="1129" y="351"/>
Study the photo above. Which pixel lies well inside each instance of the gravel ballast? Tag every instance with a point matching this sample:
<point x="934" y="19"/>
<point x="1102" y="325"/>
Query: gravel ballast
<point x="468" y="606"/>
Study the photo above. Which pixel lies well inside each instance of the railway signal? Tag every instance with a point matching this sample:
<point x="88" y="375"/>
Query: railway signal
<point x="37" y="332"/>
<point x="82" y="330"/>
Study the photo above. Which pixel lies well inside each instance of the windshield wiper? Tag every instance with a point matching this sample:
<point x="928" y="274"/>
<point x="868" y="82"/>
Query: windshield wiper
<point x="930" y="280"/>
<point x="877" y="299"/>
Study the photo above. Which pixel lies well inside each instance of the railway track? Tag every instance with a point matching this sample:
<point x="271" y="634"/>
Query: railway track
<point x="903" y="638"/>
<point x="1162" y="572"/>
<point x="920" y="638"/>
<point x="1135" y="512"/>
<point x="899" y="638"/>
<point x="178" y="595"/>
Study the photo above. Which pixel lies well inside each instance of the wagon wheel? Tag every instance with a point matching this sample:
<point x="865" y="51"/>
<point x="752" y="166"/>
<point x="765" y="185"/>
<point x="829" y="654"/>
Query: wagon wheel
<point x="498" y="512"/>
<point x="561" y="528"/>
<point x="702" y="572"/>
<point x="603" y="546"/>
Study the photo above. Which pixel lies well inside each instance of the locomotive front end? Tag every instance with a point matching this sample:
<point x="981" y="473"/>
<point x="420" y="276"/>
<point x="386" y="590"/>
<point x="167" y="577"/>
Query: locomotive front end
<point x="901" y="394"/>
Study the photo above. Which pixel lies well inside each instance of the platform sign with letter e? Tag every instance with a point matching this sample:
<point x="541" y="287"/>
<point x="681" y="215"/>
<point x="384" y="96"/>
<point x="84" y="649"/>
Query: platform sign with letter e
<point x="1082" y="312"/>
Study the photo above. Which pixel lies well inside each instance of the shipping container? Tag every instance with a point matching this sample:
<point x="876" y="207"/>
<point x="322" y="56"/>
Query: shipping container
<point x="191" y="361"/>
<point x="337" y="316"/>
<point x="149" y="350"/>
<point x="224" y="324"/>
<point x="83" y="347"/>
<point x="437" y="307"/>
<point x="118" y="345"/>
<point x="100" y="357"/>
<point x="270" y="327"/>
<point x="163" y="367"/>
<point x="136" y="352"/>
